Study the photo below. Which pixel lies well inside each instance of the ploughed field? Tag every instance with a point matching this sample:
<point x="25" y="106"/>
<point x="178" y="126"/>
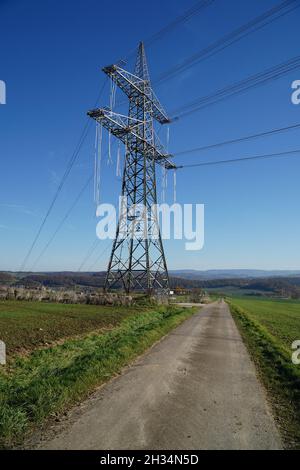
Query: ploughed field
<point x="27" y="325"/>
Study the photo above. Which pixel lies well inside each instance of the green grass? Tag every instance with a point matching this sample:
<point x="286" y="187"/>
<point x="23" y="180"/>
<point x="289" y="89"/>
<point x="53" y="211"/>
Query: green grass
<point x="47" y="381"/>
<point x="269" y="327"/>
<point x="280" y="317"/>
<point x="27" y="325"/>
<point x="233" y="291"/>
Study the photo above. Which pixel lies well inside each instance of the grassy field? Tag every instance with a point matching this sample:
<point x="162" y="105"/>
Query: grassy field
<point x="233" y="291"/>
<point x="269" y="327"/>
<point x="45" y="382"/>
<point x="27" y="325"/>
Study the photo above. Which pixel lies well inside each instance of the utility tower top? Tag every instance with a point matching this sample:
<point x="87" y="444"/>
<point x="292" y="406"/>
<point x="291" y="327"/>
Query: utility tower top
<point x="141" y="66"/>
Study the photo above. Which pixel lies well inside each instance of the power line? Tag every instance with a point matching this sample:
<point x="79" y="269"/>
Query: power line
<point x="62" y="221"/>
<point x="234" y="160"/>
<point x="221" y="44"/>
<point x="240" y="139"/>
<point x="89" y="253"/>
<point x="183" y="18"/>
<point x="238" y="87"/>
<point x="66" y="174"/>
<point x="70" y="165"/>
<point x="194" y="10"/>
<point x="99" y="257"/>
<point x="60" y="225"/>
<point x="229" y="39"/>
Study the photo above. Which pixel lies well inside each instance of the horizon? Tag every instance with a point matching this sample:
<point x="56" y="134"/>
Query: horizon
<point x="170" y="270"/>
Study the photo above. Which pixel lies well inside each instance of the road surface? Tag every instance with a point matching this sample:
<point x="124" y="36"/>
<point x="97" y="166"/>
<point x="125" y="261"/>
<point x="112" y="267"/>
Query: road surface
<point x="196" y="389"/>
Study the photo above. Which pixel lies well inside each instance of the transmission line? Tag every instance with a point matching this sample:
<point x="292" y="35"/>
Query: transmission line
<point x="62" y="221"/>
<point x="181" y="19"/>
<point x="229" y="39"/>
<point x="194" y="10"/>
<point x="238" y="87"/>
<point x="218" y="162"/>
<point x="89" y="253"/>
<point x="240" y="139"/>
<point x="99" y="257"/>
<point x="70" y="165"/>
<point x="60" y="225"/>
<point x="235" y="160"/>
<point x="62" y="182"/>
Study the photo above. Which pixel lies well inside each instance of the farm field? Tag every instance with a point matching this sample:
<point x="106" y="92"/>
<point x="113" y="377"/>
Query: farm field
<point x="27" y="325"/>
<point x="44" y="382"/>
<point x="281" y="318"/>
<point x="233" y="291"/>
<point x="269" y="328"/>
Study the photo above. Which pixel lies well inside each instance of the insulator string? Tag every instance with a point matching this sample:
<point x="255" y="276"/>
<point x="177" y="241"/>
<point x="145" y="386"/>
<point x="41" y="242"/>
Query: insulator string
<point x="175" y="184"/>
<point x="98" y="165"/>
<point x="163" y="183"/>
<point x="109" y="158"/>
<point x="112" y="100"/>
<point x="118" y="169"/>
<point x="168" y="138"/>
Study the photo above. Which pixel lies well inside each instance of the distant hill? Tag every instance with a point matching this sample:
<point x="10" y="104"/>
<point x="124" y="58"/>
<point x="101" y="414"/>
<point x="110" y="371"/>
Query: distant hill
<point x="279" y="283"/>
<point x="231" y="273"/>
<point x="6" y="278"/>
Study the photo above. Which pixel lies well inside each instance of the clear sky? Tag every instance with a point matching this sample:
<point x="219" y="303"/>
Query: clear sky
<point x="51" y="58"/>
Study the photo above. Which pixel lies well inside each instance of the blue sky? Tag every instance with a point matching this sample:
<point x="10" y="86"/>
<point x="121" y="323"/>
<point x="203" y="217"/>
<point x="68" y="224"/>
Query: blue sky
<point x="51" y="59"/>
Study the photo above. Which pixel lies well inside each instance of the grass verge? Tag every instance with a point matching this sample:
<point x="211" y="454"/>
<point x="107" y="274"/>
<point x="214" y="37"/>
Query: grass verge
<point x="279" y="375"/>
<point x="48" y="381"/>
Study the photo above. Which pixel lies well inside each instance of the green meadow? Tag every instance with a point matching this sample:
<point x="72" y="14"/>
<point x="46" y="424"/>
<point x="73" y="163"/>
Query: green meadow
<point x="269" y="327"/>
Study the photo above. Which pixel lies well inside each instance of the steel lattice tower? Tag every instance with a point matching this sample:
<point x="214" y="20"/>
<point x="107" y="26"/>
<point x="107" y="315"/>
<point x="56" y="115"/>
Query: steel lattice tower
<point x="137" y="260"/>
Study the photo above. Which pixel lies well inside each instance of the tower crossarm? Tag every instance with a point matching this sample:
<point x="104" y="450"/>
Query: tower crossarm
<point x="133" y="85"/>
<point x="122" y="126"/>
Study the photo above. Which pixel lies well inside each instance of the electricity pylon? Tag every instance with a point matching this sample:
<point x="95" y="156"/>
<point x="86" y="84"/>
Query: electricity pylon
<point x="137" y="260"/>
